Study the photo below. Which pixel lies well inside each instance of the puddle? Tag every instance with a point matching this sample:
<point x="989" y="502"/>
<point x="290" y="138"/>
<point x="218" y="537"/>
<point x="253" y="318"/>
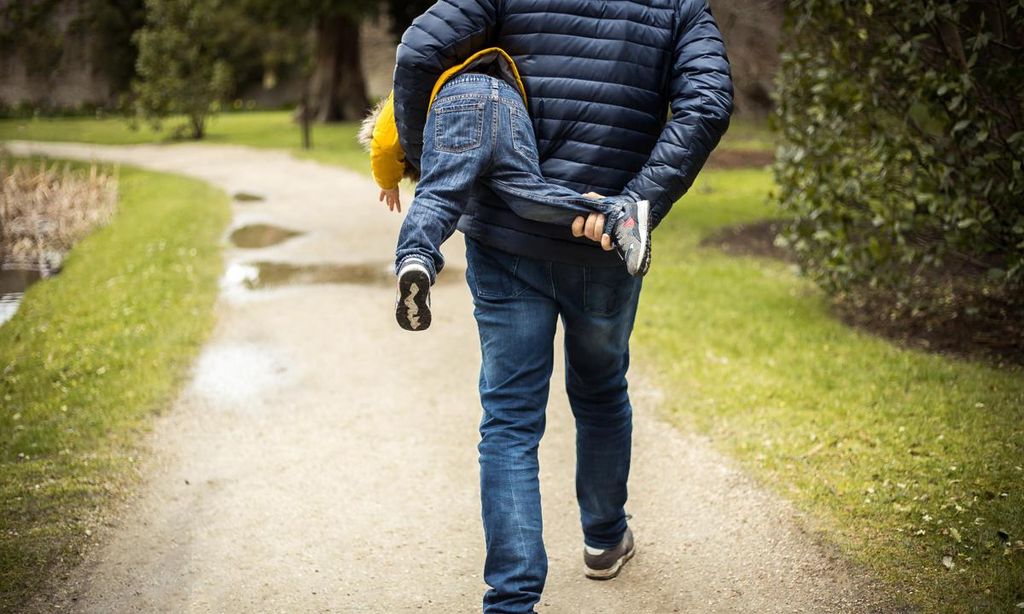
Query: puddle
<point x="257" y="275"/>
<point x="15" y="278"/>
<point x="239" y="374"/>
<point x="261" y="235"/>
<point x="248" y="197"/>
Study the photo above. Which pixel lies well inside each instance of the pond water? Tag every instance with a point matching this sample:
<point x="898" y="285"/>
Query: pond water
<point x="15" y="278"/>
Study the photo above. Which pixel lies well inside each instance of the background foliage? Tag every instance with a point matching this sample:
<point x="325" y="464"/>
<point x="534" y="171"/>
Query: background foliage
<point x="180" y="67"/>
<point x="903" y="140"/>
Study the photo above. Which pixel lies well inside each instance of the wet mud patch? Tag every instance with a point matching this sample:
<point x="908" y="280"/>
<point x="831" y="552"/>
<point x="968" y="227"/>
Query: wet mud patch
<point x="260" y="275"/>
<point x="756" y="239"/>
<point x="976" y="323"/>
<point x="248" y="197"/>
<point x="261" y="235"/>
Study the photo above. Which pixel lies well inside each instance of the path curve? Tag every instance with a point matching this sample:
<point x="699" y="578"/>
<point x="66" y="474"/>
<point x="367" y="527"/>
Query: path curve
<point x="323" y="460"/>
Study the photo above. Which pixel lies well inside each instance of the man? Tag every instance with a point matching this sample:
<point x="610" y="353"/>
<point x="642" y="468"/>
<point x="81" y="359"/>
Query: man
<point x="600" y="77"/>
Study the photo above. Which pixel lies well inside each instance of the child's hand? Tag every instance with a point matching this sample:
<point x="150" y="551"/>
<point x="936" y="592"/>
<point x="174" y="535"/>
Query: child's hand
<point x="393" y="198"/>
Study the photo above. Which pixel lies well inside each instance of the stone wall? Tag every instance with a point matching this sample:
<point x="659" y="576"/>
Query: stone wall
<point x="77" y="79"/>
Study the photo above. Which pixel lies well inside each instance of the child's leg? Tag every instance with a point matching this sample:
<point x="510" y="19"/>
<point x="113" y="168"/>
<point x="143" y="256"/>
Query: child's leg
<point x="516" y="176"/>
<point x="457" y="146"/>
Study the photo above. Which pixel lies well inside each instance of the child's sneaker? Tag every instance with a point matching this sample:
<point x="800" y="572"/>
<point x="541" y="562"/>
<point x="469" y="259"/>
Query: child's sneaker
<point x="631" y="236"/>
<point x="413" y="307"/>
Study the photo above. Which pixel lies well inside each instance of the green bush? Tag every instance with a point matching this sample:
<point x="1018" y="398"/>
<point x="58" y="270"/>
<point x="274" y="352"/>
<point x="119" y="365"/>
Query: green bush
<point x="902" y="126"/>
<point x="180" y="70"/>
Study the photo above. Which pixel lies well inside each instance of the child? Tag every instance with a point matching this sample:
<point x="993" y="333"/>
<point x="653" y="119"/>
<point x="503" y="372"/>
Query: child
<point x="478" y="129"/>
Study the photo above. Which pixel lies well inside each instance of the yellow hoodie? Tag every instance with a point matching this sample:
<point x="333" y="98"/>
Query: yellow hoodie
<point x="379" y="133"/>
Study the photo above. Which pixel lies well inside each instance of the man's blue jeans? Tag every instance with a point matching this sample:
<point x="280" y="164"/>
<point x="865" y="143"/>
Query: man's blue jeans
<point x="518" y="302"/>
<point x="478" y="130"/>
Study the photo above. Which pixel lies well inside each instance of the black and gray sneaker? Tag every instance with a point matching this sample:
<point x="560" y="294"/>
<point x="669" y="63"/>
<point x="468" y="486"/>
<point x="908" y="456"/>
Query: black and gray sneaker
<point x="606" y="564"/>
<point x="631" y="236"/>
<point x="412" y="310"/>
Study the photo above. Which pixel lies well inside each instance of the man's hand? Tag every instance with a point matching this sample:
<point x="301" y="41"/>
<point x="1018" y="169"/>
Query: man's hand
<point x="393" y="198"/>
<point x="592" y="226"/>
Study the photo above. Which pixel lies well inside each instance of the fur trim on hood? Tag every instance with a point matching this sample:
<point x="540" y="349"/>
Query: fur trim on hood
<point x="366" y="130"/>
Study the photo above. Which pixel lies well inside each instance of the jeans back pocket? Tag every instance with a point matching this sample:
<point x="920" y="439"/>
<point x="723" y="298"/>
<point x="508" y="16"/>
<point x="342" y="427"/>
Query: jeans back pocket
<point x="491" y="273"/>
<point x="459" y="125"/>
<point x="606" y="290"/>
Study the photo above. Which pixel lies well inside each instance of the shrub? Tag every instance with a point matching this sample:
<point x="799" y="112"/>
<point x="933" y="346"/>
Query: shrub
<point x="902" y="126"/>
<point x="179" y="71"/>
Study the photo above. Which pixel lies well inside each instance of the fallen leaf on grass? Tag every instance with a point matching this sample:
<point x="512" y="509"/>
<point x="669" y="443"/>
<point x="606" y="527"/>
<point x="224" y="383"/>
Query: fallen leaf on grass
<point x="947" y="562"/>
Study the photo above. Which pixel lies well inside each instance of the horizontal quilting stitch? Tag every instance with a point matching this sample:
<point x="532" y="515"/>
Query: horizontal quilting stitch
<point x="509" y="35"/>
<point x="588" y="173"/>
<point x="627" y="161"/>
<point x="597" y="28"/>
<point x="600" y="107"/>
<point x="649" y="135"/>
<point x="595" y="9"/>
<point x="641" y="154"/>
<point x="610" y="88"/>
<point x="583" y="58"/>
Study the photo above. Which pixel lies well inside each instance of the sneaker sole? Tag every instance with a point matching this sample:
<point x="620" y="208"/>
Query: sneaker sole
<point x="643" y="219"/>
<point x="412" y="310"/>
<point x="614" y="570"/>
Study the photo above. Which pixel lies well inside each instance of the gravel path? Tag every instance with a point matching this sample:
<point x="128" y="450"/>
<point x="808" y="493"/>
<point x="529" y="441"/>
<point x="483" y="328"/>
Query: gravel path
<point x="323" y="460"/>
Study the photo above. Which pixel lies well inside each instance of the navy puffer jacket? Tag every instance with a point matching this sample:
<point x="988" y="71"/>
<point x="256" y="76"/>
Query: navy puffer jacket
<point x="626" y="96"/>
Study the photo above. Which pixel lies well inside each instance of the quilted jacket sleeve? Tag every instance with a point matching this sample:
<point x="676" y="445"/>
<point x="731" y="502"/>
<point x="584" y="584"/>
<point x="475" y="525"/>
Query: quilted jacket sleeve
<point x="700" y="94"/>
<point x="448" y="33"/>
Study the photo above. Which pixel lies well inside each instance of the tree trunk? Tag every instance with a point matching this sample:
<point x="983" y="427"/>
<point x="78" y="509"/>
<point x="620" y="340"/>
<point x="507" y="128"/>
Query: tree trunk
<point x="338" y="89"/>
<point x="198" y="127"/>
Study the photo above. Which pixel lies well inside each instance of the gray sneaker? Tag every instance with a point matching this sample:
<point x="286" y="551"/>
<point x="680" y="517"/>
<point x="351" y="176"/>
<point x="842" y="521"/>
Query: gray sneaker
<point x="606" y="564"/>
<point x="631" y="236"/>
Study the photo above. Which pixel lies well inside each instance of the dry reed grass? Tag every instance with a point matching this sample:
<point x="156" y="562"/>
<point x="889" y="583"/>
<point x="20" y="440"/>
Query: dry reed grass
<point x="46" y="208"/>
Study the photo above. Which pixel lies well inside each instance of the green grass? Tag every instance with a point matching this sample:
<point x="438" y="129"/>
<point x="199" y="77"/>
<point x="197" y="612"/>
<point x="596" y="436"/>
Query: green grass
<point x="747" y="133"/>
<point x="91" y="355"/>
<point x="332" y="143"/>
<point x="905" y="457"/>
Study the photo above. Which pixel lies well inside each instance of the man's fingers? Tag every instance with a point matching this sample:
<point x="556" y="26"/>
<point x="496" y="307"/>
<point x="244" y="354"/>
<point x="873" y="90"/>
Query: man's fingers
<point x="595" y="226"/>
<point x="593" y="195"/>
<point x="577" y="226"/>
<point x="398" y="204"/>
<point x="588" y="228"/>
<point x="606" y="243"/>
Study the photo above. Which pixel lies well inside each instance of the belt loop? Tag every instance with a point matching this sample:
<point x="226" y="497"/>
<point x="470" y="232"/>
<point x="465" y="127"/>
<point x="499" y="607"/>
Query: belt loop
<point x="494" y="89"/>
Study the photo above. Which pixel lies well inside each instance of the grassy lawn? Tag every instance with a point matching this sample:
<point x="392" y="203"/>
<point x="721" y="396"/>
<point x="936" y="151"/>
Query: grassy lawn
<point x="91" y="355"/>
<point x="907" y="458"/>
<point x="332" y="144"/>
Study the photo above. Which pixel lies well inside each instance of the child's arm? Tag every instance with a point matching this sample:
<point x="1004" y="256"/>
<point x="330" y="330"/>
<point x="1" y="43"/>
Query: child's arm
<point x="393" y="197"/>
<point x="379" y="135"/>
